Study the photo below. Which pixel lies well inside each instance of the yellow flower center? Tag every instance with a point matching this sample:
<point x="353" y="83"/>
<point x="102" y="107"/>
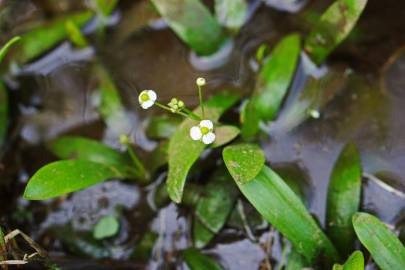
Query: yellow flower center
<point x="204" y="130"/>
<point x="144" y="97"/>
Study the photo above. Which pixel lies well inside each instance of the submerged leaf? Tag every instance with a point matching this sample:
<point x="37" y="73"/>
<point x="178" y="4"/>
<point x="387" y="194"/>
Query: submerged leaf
<point x="106" y="227"/>
<point x="183" y="151"/>
<point x="272" y="84"/>
<point x="385" y="248"/>
<point x="344" y="199"/>
<point x="71" y="147"/>
<point x="193" y="23"/>
<point x="244" y="161"/>
<point x="62" y="177"/>
<point x="231" y="13"/>
<point x="354" y="262"/>
<point x="198" y="261"/>
<point x="276" y="202"/>
<point x="333" y="27"/>
<point x="7" y="46"/>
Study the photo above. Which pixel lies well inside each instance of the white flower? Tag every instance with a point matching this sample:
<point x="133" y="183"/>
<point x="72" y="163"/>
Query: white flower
<point x="147" y="98"/>
<point x="200" y="82"/>
<point x="203" y="132"/>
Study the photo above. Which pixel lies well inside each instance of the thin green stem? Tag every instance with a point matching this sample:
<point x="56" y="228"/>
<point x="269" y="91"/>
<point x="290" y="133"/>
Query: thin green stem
<point x="195" y="117"/>
<point x="201" y="101"/>
<point x="137" y="162"/>
<point x="168" y="109"/>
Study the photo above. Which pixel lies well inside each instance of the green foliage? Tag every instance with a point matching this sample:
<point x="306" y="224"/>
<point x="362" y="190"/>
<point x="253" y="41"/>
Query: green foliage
<point x="184" y="152"/>
<point x="3" y="248"/>
<point x="344" y="199"/>
<point x="295" y="261"/>
<point x="105" y="7"/>
<point x="385" y="248"/>
<point x="193" y="23"/>
<point x="7" y="46"/>
<point x="231" y="13"/>
<point x="162" y="127"/>
<point x="144" y="247"/>
<point x="333" y="27"/>
<point x="279" y="205"/>
<point x="201" y="234"/>
<point x="106" y="227"/>
<point x="197" y="261"/>
<point x="354" y="262"/>
<point x="75" y="35"/>
<point x="62" y="177"/>
<point x="43" y="38"/>
<point x="225" y="134"/>
<point x="71" y="147"/>
<point x="272" y="84"/>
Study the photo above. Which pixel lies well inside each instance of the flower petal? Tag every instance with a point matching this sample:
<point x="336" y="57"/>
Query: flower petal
<point x="207" y="123"/>
<point x="195" y="133"/>
<point x="208" y="138"/>
<point x="140" y="95"/>
<point x="152" y="95"/>
<point x="147" y="104"/>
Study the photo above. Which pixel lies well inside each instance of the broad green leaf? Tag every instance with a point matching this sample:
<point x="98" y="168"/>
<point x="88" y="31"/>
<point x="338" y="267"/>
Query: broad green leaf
<point x="162" y="127"/>
<point x="344" y="199"/>
<point x="354" y="262"/>
<point x="279" y="205"/>
<point x="3" y="113"/>
<point x="244" y="161"/>
<point x="216" y="201"/>
<point x="225" y="134"/>
<point x="183" y="151"/>
<point x="65" y="176"/>
<point x="7" y="46"/>
<point x="198" y="261"/>
<point x="231" y="13"/>
<point x="193" y="23"/>
<point x="295" y="261"/>
<point x="201" y="234"/>
<point x="106" y="227"/>
<point x="385" y="248"/>
<point x="43" y="38"/>
<point x="272" y="84"/>
<point x="333" y="27"/>
<point x="75" y="35"/>
<point x="71" y="147"/>
<point x="315" y="95"/>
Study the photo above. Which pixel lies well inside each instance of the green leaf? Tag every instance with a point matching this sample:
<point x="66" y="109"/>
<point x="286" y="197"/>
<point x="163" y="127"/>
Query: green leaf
<point x="61" y="177"/>
<point x="144" y="247"/>
<point x="7" y="46"/>
<point x="279" y="205"/>
<point x="183" y="151"/>
<point x="3" y="113"/>
<point x="193" y="23"/>
<point x="295" y="261"/>
<point x="231" y="13"/>
<point x="71" y="147"/>
<point x="106" y="7"/>
<point x="201" y="234"/>
<point x="217" y="201"/>
<point x="344" y="199"/>
<point x="315" y="95"/>
<point x="75" y="35"/>
<point x="272" y="83"/>
<point x="3" y="248"/>
<point x="385" y="248"/>
<point x="225" y="134"/>
<point x="244" y="161"/>
<point x="106" y="227"/>
<point x="43" y="38"/>
<point x="354" y="262"/>
<point x="162" y="127"/>
<point x="198" y="261"/>
<point x="333" y="27"/>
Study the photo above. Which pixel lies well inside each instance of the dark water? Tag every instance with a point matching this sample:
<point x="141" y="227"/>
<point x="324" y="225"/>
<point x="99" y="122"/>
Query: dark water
<point x="55" y="96"/>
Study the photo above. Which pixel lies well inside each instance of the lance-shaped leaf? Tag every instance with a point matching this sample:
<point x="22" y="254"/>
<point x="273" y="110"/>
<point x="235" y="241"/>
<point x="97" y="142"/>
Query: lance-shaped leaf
<point x="43" y="38"/>
<point x="215" y="204"/>
<point x="72" y="147"/>
<point x="7" y="46"/>
<point x="193" y="23"/>
<point x="231" y="13"/>
<point x="354" y="262"/>
<point x="344" y="199"/>
<point x="272" y="84"/>
<point x="295" y="261"/>
<point x="201" y="234"/>
<point x="183" y="151"/>
<point x="3" y="112"/>
<point x="198" y="261"/>
<point x="279" y="205"/>
<point x="65" y="176"/>
<point x="385" y="248"/>
<point x="333" y="27"/>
